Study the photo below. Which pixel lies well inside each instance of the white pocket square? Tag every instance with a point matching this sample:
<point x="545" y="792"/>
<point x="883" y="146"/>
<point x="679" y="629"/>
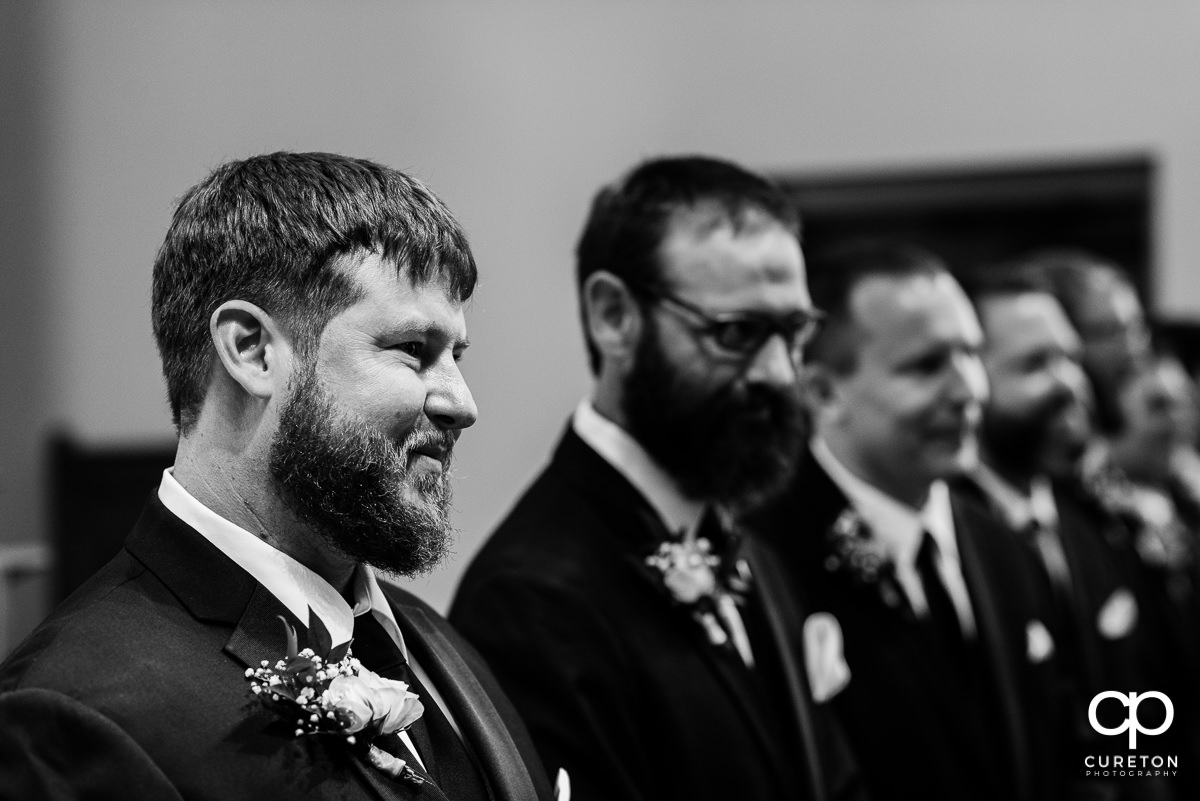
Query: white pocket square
<point x="562" y="786"/>
<point x="1039" y="645"/>
<point x="828" y="673"/>
<point x="1118" y="616"/>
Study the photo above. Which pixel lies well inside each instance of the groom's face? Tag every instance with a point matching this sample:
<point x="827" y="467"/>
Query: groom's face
<point x="366" y="433"/>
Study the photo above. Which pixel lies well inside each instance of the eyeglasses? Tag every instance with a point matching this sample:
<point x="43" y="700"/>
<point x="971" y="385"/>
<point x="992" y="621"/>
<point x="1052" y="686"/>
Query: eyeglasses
<point x="741" y="334"/>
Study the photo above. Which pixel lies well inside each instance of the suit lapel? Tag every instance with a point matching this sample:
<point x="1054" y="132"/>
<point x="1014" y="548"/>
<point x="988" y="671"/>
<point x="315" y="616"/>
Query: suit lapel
<point x="632" y="520"/>
<point x="210" y="585"/>
<point x="990" y="628"/>
<point x="482" y="727"/>
<point x="214" y="589"/>
<point x="389" y="789"/>
<point x="260" y="634"/>
<point x="868" y="618"/>
<point x="739" y="680"/>
<point x="782" y="617"/>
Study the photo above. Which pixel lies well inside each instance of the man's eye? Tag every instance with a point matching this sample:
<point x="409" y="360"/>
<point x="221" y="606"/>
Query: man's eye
<point x="739" y="335"/>
<point x="928" y="365"/>
<point x="409" y="348"/>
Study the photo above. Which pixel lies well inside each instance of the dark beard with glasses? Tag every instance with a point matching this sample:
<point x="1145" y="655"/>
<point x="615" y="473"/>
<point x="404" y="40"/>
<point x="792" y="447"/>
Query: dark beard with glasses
<point x="735" y="446"/>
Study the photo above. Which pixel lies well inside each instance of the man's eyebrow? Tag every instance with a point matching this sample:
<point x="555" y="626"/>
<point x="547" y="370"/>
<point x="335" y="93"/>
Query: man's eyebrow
<point x="424" y="327"/>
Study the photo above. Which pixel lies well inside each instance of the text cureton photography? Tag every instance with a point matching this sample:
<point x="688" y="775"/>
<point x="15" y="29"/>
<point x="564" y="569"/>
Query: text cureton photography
<point x="1131" y="765"/>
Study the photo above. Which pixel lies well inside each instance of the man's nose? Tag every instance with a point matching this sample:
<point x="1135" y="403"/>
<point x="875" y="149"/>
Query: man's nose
<point x="773" y="364"/>
<point x="448" y="402"/>
<point x="969" y="382"/>
<point x="1070" y="378"/>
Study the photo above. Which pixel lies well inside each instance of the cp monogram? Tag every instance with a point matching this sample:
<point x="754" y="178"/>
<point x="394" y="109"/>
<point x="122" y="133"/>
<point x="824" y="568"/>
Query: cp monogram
<point x="1131" y="723"/>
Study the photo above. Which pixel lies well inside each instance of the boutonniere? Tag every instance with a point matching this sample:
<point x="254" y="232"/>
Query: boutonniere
<point x="338" y="697"/>
<point x="1112" y="491"/>
<point x="696" y="579"/>
<point x="853" y="552"/>
<point x="1159" y="538"/>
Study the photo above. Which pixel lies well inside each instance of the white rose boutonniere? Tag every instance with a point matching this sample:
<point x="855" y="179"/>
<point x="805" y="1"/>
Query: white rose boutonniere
<point x="694" y="577"/>
<point x="340" y="698"/>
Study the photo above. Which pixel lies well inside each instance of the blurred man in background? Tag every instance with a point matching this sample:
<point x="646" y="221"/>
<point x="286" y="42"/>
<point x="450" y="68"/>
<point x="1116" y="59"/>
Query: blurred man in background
<point x="1147" y="483"/>
<point x="642" y="641"/>
<point x="1035" y="433"/>
<point x="945" y="692"/>
<point x="1104" y="309"/>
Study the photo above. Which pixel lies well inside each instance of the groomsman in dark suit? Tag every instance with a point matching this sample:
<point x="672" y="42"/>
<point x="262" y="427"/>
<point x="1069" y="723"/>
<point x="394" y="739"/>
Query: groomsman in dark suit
<point x="640" y="637"/>
<point x="308" y="309"/>
<point x="1034" y="434"/>
<point x="947" y="686"/>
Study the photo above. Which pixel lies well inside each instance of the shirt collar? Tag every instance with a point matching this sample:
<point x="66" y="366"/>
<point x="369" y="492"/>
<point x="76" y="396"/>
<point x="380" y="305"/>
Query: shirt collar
<point x="294" y="585"/>
<point x="1019" y="509"/>
<point x="896" y="526"/>
<point x="629" y="458"/>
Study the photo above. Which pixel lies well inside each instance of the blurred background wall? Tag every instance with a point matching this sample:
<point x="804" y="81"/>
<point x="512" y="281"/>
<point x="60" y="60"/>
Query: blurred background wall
<point x="514" y="113"/>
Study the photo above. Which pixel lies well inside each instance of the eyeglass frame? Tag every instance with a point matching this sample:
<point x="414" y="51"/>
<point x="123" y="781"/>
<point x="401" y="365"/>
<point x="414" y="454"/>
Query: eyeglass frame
<point x="795" y="337"/>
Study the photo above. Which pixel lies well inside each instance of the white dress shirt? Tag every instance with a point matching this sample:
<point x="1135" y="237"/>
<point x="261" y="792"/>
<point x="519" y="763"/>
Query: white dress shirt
<point x="899" y="529"/>
<point x="294" y="585"/>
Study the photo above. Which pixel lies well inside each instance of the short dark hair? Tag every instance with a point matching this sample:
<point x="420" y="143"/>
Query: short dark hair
<point x="629" y="219"/>
<point x="833" y="275"/>
<point x="1003" y="280"/>
<point x="270" y="230"/>
<point x="1070" y="274"/>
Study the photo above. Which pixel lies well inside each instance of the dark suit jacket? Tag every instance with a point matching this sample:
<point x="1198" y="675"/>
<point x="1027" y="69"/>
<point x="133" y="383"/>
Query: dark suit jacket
<point x="1103" y="570"/>
<point x="1104" y="566"/>
<point x="924" y="726"/>
<point x="617" y="684"/>
<point x="135" y="688"/>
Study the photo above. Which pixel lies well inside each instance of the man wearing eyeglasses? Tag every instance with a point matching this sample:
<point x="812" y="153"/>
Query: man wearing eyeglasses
<point x="634" y="629"/>
<point x="948" y="687"/>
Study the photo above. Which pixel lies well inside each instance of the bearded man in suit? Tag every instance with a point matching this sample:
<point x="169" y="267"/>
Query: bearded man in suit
<point x="308" y="309"/>
<point x="908" y="585"/>
<point x="645" y="648"/>
<point x="1034" y="435"/>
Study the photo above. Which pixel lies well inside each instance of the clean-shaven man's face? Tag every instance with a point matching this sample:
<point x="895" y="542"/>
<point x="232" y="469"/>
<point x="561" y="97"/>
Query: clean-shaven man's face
<point x="905" y="415"/>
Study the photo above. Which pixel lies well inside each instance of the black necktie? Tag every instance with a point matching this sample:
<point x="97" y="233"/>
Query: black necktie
<point x="445" y="756"/>
<point x="943" y="616"/>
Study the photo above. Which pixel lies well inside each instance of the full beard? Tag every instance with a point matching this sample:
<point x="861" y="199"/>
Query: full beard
<point x="1034" y="442"/>
<point x="734" y="446"/>
<point x="351" y="484"/>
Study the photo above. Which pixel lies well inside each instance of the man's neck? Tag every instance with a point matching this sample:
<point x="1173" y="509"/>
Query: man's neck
<point x="913" y="492"/>
<point x="606" y="400"/>
<point x="243" y="494"/>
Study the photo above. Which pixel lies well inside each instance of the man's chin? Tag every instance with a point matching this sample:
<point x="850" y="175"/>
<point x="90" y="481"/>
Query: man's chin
<point x="952" y="457"/>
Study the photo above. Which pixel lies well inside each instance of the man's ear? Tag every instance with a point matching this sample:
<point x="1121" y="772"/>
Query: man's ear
<point x="251" y="346"/>
<point x="821" y="391"/>
<point x="612" y="315"/>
